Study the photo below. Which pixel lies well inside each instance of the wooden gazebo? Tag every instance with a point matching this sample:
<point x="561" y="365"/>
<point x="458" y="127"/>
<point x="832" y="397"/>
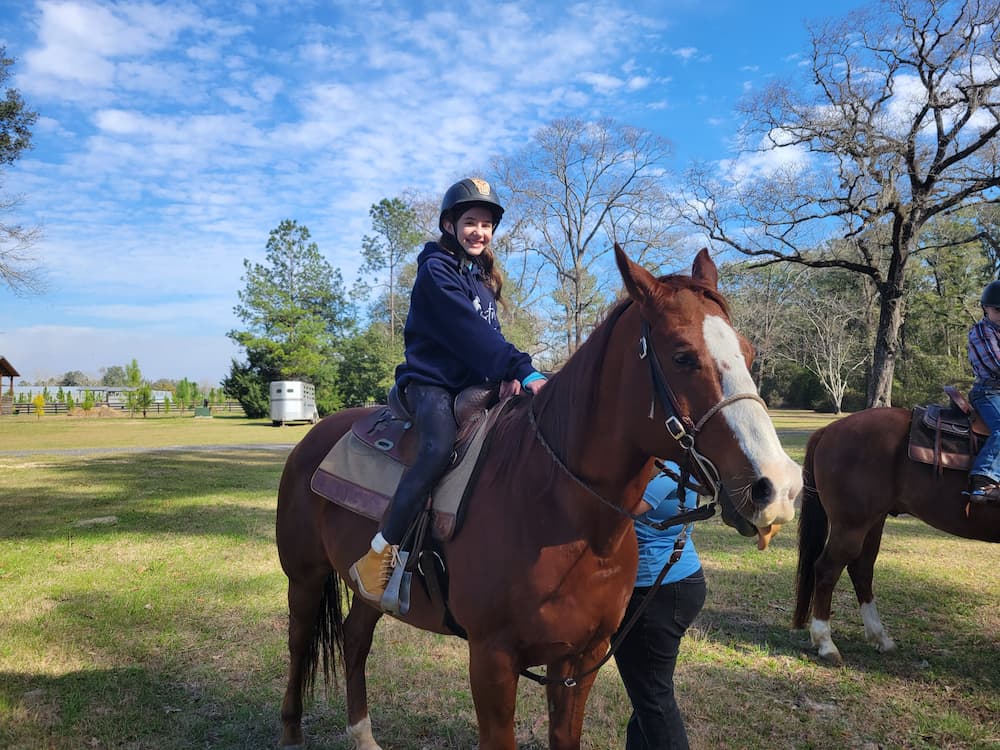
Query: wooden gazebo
<point x="7" y="371"/>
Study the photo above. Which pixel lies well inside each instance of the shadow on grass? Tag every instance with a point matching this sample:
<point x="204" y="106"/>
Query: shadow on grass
<point x="149" y="492"/>
<point x="135" y="707"/>
<point x="938" y="635"/>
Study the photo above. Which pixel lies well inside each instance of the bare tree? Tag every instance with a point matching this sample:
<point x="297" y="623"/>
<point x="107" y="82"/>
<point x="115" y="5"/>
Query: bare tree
<point x="761" y="301"/>
<point x="579" y="188"/>
<point x="899" y="125"/>
<point x="826" y="322"/>
<point x="19" y="269"/>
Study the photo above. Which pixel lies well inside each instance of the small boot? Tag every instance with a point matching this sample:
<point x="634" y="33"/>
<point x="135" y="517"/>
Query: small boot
<point x="371" y="573"/>
<point x="983" y="490"/>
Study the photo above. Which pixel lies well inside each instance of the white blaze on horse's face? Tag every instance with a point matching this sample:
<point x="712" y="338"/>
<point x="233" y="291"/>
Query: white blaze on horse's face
<point x="749" y="421"/>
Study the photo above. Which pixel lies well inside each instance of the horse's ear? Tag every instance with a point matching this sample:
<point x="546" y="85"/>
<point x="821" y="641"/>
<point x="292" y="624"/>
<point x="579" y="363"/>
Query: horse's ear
<point x="704" y="269"/>
<point x="639" y="282"/>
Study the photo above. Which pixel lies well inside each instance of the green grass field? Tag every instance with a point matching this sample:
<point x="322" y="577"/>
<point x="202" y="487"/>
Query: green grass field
<point x="142" y="607"/>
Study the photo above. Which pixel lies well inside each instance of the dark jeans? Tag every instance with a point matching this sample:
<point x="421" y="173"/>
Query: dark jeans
<point x="434" y="421"/>
<point x="646" y="661"/>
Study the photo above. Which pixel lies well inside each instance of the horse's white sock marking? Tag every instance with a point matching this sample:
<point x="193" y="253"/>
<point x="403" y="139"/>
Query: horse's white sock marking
<point x="874" y="631"/>
<point x="361" y="733"/>
<point x="819" y="634"/>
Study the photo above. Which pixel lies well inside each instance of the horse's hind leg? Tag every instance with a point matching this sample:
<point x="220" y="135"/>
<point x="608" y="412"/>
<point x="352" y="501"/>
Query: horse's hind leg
<point x="862" y="572"/>
<point x="842" y="548"/>
<point x="359" y="627"/>
<point x="305" y="596"/>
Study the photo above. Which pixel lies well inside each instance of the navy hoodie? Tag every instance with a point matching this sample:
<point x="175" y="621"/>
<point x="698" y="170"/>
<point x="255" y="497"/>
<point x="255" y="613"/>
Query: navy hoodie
<point x="452" y="333"/>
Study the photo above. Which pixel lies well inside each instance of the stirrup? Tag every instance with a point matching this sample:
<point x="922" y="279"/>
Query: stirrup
<point x="396" y="597"/>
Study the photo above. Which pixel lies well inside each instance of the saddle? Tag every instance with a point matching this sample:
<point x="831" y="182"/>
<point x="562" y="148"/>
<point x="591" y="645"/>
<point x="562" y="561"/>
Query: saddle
<point x="363" y="468"/>
<point x="947" y="437"/>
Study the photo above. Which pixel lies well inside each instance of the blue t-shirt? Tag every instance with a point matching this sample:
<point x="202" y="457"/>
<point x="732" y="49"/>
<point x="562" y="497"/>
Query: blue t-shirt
<point x="655" y="547"/>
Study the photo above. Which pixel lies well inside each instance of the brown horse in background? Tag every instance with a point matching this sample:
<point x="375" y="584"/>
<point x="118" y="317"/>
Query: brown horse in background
<point x="545" y="561"/>
<point x="857" y="471"/>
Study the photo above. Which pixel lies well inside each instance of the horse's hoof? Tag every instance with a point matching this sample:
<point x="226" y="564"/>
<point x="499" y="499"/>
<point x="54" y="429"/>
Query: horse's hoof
<point x="832" y="658"/>
<point x="886" y="645"/>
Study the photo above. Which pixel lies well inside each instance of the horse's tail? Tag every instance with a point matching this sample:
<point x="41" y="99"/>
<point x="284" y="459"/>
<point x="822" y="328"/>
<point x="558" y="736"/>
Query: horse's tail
<point x="328" y="636"/>
<point x="813" y="529"/>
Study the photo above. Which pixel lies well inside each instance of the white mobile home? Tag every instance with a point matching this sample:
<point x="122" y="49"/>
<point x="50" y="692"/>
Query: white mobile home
<point x="293" y="401"/>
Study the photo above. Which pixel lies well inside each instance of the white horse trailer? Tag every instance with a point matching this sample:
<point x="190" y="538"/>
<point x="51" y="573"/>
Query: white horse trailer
<point x="293" y="401"/>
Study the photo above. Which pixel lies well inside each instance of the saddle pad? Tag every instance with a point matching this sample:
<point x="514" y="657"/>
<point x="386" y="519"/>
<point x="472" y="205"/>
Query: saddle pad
<point x="929" y="445"/>
<point x="362" y="479"/>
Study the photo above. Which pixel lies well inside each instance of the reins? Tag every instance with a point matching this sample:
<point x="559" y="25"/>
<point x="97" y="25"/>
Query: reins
<point x="683" y="430"/>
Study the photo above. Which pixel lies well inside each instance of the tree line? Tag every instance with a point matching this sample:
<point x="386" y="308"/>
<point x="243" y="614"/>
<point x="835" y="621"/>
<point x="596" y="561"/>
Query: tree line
<point x="137" y="391"/>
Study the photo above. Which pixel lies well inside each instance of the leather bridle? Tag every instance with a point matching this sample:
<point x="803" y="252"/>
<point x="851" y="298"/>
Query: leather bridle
<point x="679" y="426"/>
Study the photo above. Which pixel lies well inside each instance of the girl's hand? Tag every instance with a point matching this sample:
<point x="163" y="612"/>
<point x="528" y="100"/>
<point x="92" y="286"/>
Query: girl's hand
<point x="510" y="388"/>
<point x="536" y="385"/>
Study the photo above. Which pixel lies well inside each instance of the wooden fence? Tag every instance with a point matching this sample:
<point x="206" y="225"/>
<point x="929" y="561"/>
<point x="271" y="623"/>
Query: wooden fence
<point x="53" y="408"/>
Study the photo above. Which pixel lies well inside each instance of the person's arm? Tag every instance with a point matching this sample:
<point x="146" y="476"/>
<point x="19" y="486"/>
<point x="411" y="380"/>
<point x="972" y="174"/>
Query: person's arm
<point x="984" y="346"/>
<point x="659" y="489"/>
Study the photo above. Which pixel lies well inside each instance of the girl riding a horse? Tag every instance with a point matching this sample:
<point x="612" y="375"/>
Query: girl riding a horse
<point x="453" y="340"/>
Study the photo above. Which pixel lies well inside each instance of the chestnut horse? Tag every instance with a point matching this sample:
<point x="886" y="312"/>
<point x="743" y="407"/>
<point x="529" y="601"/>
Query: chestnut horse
<point x="545" y="561"/>
<point x="856" y="473"/>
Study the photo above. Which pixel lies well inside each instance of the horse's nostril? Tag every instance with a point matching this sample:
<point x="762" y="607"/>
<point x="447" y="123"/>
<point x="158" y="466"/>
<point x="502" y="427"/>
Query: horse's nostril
<point x="762" y="492"/>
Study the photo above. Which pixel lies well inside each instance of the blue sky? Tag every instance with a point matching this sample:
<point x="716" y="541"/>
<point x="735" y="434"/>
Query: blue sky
<point x="172" y="137"/>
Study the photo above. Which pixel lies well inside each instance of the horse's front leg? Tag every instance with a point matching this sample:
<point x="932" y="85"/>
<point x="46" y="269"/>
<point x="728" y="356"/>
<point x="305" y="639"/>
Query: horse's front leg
<point x="567" y="704"/>
<point x="493" y="678"/>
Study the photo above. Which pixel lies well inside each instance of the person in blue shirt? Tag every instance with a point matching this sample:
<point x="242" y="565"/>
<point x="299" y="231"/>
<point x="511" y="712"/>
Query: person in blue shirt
<point x="984" y="356"/>
<point x="648" y="654"/>
<point x="452" y="340"/>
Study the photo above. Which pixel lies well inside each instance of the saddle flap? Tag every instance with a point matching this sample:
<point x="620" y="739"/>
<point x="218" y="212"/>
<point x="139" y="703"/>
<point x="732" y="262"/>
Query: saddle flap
<point x="474" y="401"/>
<point x="941" y="448"/>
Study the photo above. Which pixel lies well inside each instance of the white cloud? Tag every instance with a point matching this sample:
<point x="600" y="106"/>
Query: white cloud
<point x="79" y="41"/>
<point x="762" y="164"/>
<point x="602" y="82"/>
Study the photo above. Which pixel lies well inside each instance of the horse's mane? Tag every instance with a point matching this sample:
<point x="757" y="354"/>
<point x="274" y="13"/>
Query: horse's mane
<point x="572" y="392"/>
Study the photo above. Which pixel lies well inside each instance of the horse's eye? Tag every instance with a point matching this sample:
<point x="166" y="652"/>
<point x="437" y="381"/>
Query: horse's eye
<point x="686" y="360"/>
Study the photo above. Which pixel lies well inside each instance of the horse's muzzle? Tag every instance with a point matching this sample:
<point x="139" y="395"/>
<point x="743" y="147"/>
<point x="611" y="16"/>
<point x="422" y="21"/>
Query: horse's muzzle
<point x="774" y="501"/>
